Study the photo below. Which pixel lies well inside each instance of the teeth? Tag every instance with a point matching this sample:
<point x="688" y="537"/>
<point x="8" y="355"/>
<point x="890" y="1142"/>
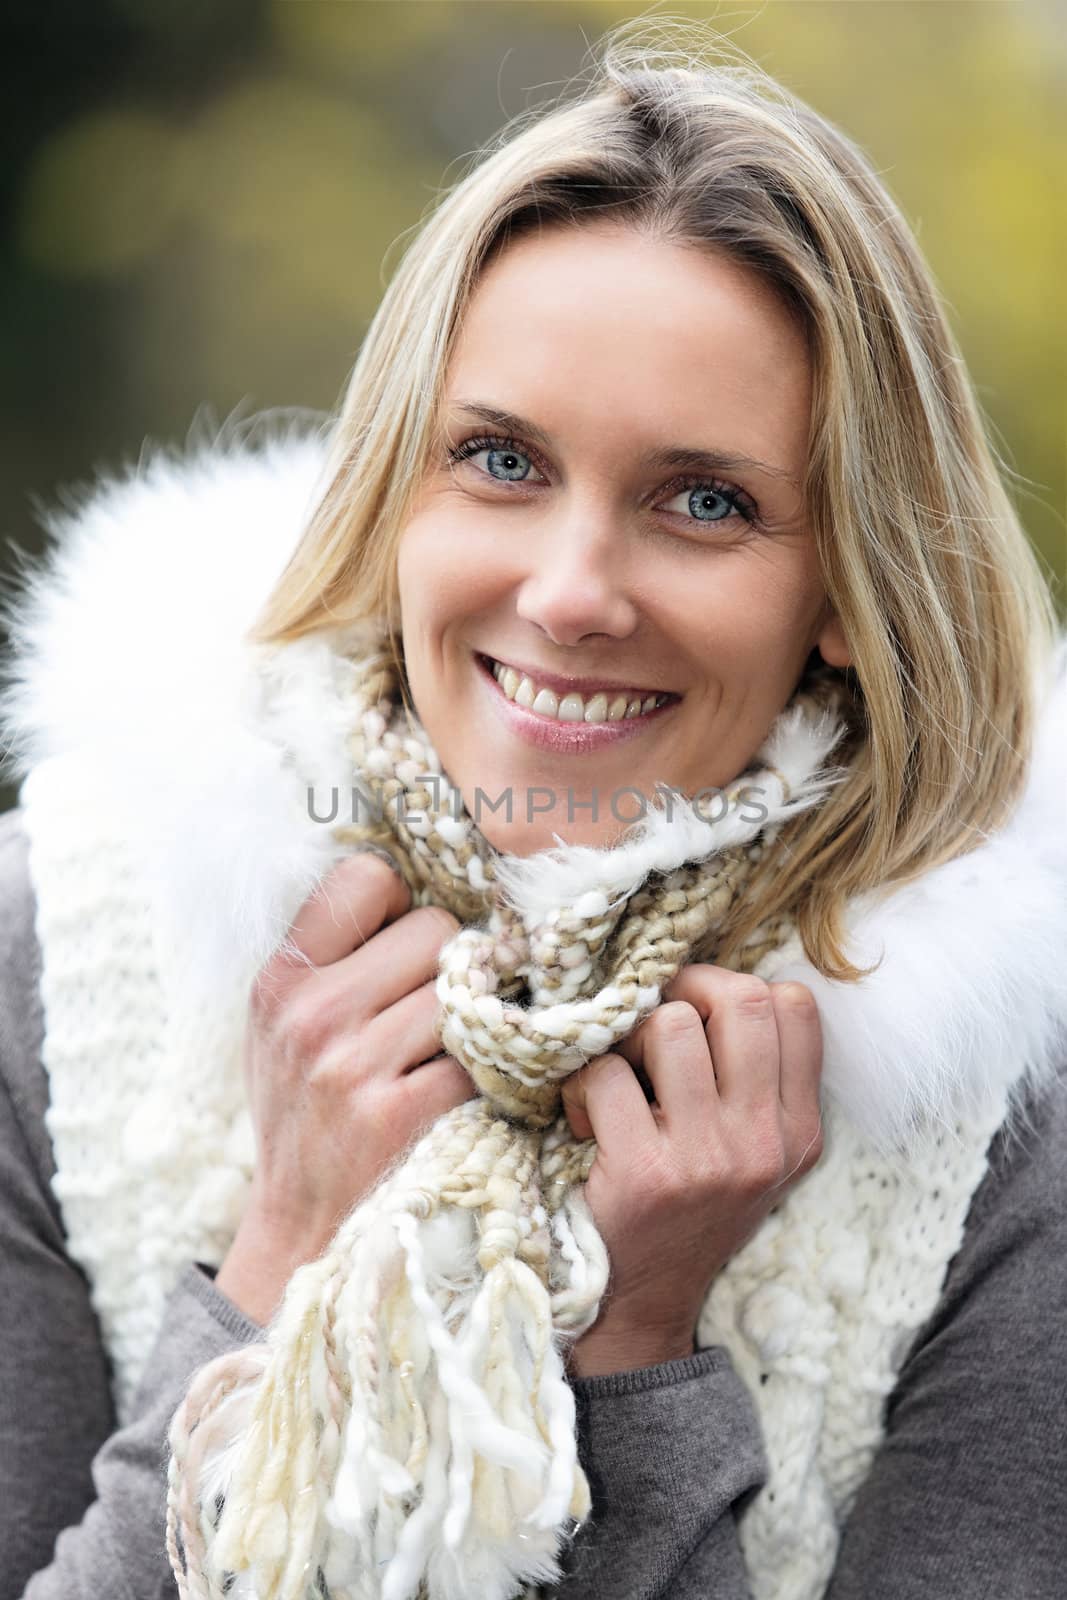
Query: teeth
<point x="571" y="708"/>
<point x="546" y="703"/>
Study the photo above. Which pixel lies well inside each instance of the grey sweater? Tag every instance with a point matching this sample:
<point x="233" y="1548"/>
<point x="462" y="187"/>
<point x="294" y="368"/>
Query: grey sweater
<point x="967" y="1497"/>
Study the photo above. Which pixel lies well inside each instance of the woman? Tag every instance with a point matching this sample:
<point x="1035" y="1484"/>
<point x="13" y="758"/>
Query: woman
<point x="659" y="481"/>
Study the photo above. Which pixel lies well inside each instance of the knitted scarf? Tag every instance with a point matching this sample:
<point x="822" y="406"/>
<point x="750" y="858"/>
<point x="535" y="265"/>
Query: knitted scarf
<point x="408" y="1418"/>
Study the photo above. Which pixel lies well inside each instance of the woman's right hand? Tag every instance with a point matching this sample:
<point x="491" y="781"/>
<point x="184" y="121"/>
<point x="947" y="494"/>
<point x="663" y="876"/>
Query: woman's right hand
<point x="343" y="1069"/>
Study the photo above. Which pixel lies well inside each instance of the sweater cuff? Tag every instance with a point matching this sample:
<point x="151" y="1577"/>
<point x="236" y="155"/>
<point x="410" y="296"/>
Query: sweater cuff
<point x="199" y="1280"/>
<point x="199" y="1323"/>
<point x="669" y="1452"/>
<point x="639" y="1380"/>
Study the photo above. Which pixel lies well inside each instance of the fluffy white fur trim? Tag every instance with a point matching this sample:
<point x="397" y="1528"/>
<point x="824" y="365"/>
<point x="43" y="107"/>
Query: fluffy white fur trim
<point x="969" y="997"/>
<point x="129" y="666"/>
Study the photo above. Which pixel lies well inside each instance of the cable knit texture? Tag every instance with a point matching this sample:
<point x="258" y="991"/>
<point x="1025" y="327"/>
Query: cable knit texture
<point x="165" y="796"/>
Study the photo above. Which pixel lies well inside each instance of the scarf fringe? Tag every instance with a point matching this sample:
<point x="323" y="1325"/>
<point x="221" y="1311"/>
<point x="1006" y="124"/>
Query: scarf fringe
<point x="409" y="1415"/>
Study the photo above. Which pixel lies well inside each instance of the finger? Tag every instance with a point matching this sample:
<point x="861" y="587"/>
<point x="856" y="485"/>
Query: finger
<point x="401" y="958"/>
<point x="437" y="1086"/>
<point x="741" y="1029"/>
<point x="406" y="1034"/>
<point x="351" y="903"/>
<point x="603" y="1101"/>
<point x="801" y="1046"/>
<point x="672" y="1048"/>
<point x="696" y="983"/>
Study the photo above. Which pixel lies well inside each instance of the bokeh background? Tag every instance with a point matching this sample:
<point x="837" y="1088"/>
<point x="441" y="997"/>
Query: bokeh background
<point x="202" y="199"/>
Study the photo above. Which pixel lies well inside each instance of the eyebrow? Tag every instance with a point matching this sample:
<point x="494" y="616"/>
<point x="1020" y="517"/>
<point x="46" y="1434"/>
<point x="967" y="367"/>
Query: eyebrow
<point x="678" y="457"/>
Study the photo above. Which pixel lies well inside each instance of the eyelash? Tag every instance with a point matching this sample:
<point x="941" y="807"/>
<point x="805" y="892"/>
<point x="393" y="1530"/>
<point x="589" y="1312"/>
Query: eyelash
<point x="743" y="503"/>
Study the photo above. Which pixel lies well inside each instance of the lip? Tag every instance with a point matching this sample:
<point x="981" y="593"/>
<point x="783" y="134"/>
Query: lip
<point x="563" y="738"/>
<point x="562" y="685"/>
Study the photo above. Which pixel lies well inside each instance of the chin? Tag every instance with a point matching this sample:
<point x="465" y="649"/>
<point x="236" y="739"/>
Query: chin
<point x="527" y="838"/>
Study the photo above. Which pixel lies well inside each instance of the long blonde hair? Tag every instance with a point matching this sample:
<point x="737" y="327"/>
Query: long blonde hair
<point x="949" y="618"/>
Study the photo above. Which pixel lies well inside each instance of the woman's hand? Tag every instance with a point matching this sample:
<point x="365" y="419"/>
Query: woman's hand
<point x="680" y="1184"/>
<point x="343" y="1069"/>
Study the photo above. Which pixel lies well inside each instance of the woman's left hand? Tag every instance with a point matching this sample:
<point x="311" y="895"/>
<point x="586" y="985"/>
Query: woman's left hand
<point x="679" y="1184"/>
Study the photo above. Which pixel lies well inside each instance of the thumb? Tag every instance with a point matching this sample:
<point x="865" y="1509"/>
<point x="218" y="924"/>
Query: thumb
<point x="579" y="1092"/>
<point x="574" y="1089"/>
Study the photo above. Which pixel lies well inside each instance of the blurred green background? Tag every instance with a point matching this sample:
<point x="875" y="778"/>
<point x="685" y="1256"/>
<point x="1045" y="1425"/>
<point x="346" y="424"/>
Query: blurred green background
<point x="200" y="196"/>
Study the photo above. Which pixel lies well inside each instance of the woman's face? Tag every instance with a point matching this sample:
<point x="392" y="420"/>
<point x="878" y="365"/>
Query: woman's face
<point x="614" y="520"/>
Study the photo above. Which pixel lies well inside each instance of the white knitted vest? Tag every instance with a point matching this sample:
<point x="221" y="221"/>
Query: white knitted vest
<point x="187" y="790"/>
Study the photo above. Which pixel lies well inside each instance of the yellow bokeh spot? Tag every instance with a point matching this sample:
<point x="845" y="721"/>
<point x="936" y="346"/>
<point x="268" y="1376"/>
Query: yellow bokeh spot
<point x="325" y="35"/>
<point x="308" y="187"/>
<point x="100" y="195"/>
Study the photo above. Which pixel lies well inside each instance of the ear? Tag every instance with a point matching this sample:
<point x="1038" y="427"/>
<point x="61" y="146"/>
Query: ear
<point x="831" y="643"/>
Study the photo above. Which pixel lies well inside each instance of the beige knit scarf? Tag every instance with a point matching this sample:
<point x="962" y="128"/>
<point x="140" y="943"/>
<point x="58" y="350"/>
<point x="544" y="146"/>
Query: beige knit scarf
<point x="406" y="1429"/>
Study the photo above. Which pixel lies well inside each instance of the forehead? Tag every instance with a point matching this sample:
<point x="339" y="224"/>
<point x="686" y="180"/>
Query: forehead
<point x="667" y="336"/>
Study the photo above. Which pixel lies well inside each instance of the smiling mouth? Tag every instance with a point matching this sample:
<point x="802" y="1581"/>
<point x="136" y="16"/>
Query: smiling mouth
<point x="601" y="706"/>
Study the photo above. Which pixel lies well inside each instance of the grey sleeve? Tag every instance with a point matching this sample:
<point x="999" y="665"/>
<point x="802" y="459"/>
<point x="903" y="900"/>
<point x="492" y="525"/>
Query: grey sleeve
<point x="967" y="1496"/>
<point x="118" y="1548"/>
<point x="672" y="1453"/>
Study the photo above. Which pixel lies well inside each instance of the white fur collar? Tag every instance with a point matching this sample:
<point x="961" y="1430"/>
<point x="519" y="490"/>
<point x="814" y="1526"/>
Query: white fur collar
<point x="128" y="665"/>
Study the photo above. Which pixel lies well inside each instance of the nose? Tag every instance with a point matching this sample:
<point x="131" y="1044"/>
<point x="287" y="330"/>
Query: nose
<point x="576" y="580"/>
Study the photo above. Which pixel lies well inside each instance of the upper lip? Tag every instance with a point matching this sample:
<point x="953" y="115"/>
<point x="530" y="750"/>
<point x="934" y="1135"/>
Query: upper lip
<point x="564" y="685"/>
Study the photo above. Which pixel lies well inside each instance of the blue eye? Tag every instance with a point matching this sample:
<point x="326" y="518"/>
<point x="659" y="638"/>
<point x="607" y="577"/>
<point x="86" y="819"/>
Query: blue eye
<point x="713" y="502"/>
<point x="504" y="461"/>
<point x="507" y="464"/>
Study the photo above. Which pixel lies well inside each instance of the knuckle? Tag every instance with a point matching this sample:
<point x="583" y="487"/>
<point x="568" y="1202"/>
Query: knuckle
<point x="751" y="996"/>
<point x="605" y="1067"/>
<point x="342" y="1061"/>
<point x="598" y="1075"/>
<point x="366" y="867"/>
<point x="764" y="1166"/>
<point x="696" y="977"/>
<point x="274" y="979"/>
<point x="795" y="997"/>
<point x="367" y="879"/>
<point x="672" y="1019"/>
<point x="677" y="1181"/>
<point x="306" y="1024"/>
<point x="656" y="1186"/>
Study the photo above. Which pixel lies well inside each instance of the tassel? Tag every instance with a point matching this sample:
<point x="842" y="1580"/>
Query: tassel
<point x="409" y="1414"/>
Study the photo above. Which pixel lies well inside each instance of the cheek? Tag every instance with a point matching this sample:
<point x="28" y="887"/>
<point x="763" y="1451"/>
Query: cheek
<point x="745" y="606"/>
<point x="450" y="566"/>
<point x="414" y="557"/>
<point x="778" y="599"/>
<point x="426" y="581"/>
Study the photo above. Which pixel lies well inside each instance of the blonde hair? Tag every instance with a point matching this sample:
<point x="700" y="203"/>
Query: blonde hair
<point x="949" y="619"/>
